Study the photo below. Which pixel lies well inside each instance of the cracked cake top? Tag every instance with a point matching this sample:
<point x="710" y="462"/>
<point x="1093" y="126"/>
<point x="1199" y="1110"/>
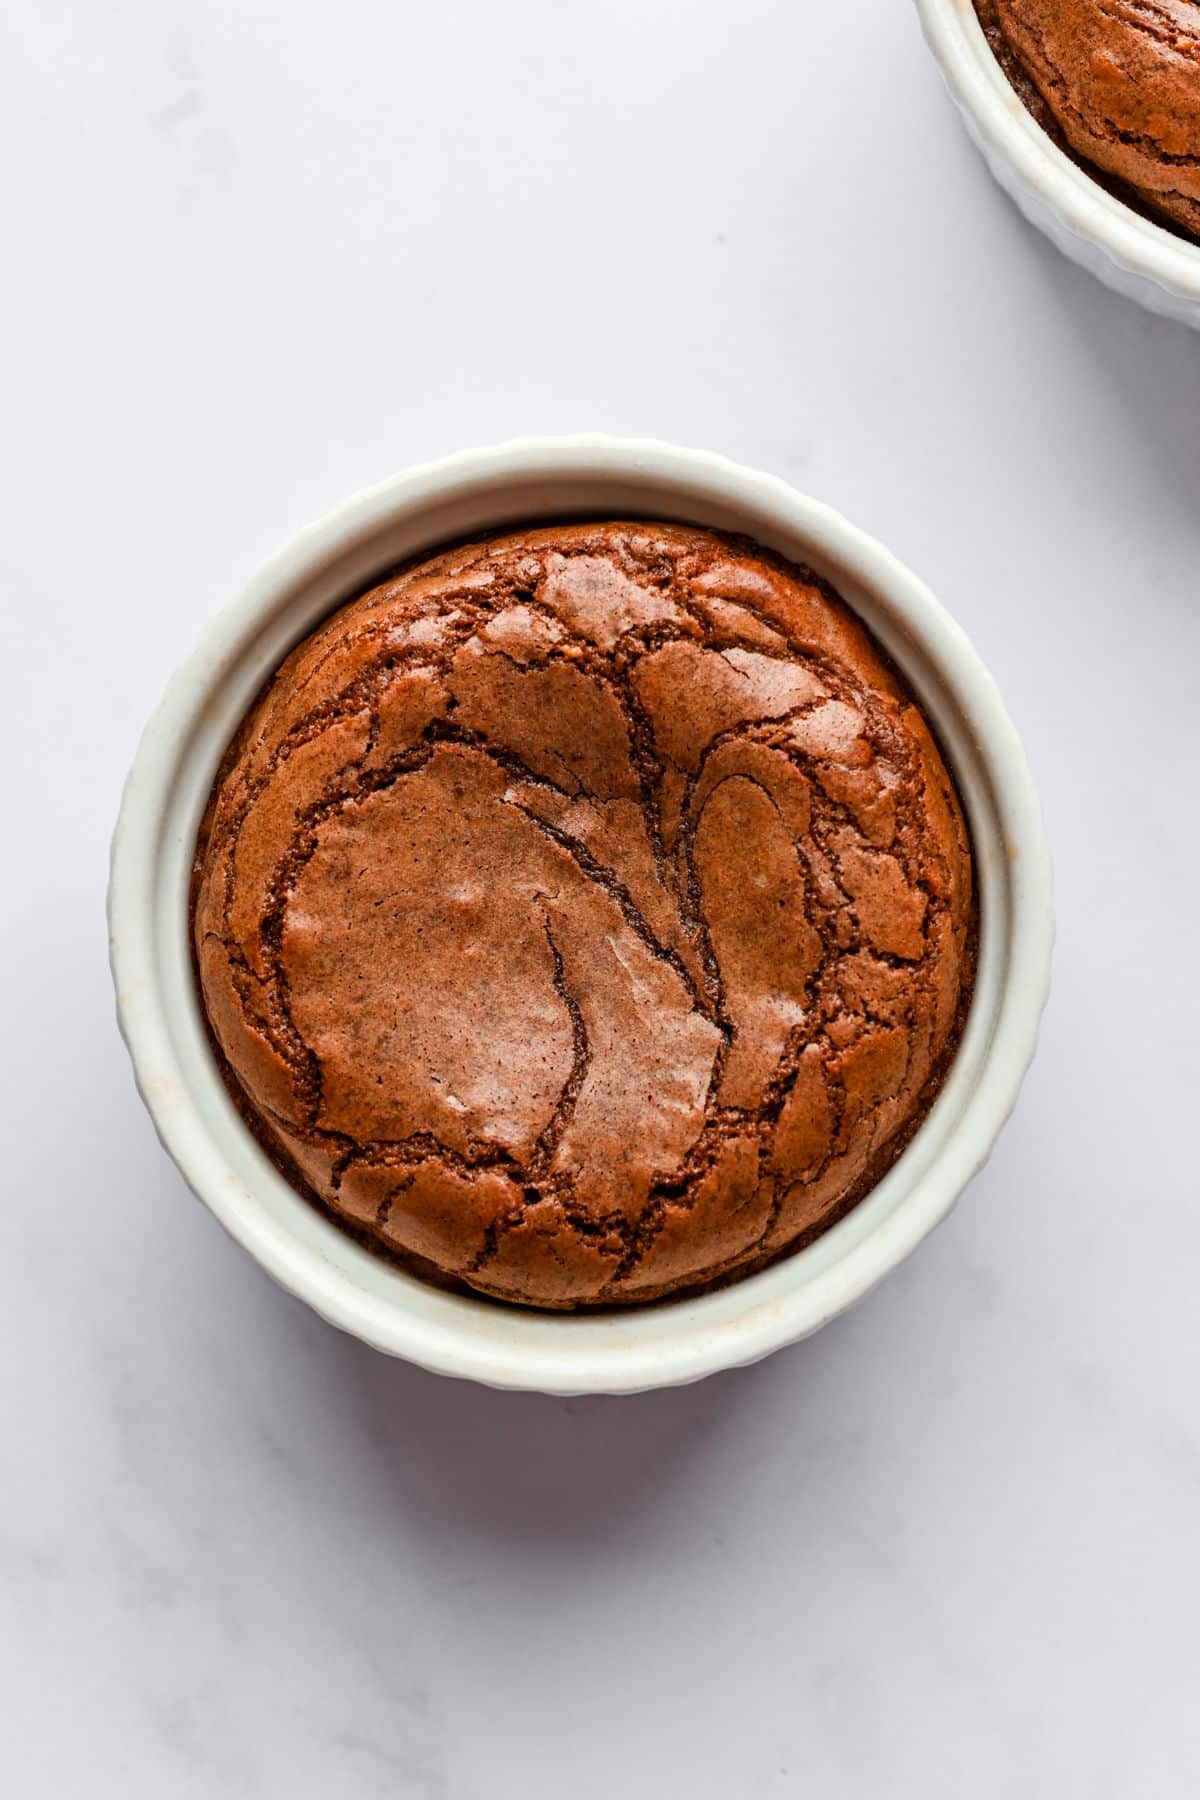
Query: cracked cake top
<point x="1117" y="83"/>
<point x="585" y="916"/>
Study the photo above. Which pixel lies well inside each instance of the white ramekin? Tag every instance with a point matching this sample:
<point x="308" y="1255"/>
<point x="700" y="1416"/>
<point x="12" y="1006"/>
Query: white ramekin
<point x="626" y="1351"/>
<point x="1141" y="260"/>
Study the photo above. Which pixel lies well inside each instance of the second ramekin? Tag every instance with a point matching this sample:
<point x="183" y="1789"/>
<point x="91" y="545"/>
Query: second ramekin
<point x="1130" y="254"/>
<point x="621" y="1352"/>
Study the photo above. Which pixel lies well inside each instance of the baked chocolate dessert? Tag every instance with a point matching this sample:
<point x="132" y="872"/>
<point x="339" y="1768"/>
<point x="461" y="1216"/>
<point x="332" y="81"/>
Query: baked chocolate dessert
<point x="1116" y="83"/>
<point x="585" y="916"/>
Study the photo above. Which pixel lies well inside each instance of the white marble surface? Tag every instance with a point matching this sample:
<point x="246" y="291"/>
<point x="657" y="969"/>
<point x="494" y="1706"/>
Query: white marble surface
<point x="257" y="256"/>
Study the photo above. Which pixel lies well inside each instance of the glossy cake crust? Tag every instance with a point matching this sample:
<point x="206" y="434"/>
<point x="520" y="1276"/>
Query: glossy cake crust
<point x="585" y="916"/>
